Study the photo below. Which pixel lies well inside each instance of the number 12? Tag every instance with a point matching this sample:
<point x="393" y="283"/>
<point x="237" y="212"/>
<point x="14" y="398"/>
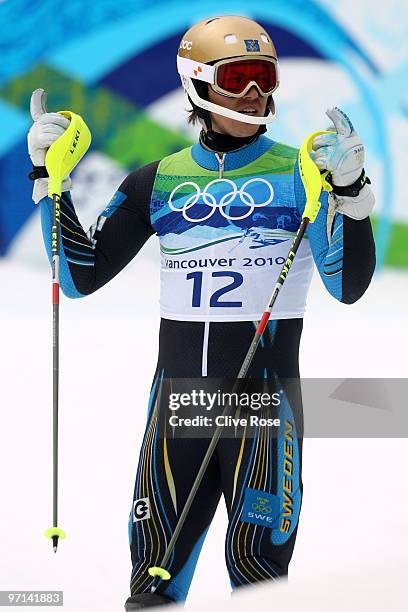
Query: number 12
<point x="237" y="280"/>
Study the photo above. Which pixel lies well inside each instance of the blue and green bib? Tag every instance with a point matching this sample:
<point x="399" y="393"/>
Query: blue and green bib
<point x="223" y="240"/>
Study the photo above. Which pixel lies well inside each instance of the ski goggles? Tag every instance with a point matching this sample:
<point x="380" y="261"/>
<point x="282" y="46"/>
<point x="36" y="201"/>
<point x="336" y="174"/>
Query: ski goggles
<point x="234" y="78"/>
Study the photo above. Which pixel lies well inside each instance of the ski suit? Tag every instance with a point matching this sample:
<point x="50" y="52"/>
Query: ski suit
<point x="225" y="223"/>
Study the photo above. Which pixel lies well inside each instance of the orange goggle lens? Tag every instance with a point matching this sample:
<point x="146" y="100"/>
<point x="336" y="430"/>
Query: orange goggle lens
<point x="234" y="77"/>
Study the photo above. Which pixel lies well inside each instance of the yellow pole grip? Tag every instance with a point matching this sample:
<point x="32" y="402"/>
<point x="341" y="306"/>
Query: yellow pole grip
<point x="66" y="152"/>
<point x="313" y="181"/>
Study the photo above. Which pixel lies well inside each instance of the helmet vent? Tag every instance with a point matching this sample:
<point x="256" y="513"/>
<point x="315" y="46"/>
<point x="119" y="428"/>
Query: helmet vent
<point x="211" y="20"/>
<point x="230" y="39"/>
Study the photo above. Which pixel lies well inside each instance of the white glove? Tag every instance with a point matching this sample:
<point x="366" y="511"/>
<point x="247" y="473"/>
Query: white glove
<point x="46" y="129"/>
<point x="342" y="153"/>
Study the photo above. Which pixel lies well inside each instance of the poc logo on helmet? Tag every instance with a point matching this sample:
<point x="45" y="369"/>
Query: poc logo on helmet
<point x="141" y="509"/>
<point x="186" y="44"/>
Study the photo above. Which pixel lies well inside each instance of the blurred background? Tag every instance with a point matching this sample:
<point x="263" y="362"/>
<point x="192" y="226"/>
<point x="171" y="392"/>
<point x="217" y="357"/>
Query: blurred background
<point x="114" y="63"/>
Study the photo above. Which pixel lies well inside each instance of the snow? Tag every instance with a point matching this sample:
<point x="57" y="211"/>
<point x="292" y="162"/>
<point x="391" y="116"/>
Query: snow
<point x="352" y="532"/>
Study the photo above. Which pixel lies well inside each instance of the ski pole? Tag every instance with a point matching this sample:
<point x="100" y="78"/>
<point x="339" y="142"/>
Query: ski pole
<point x="313" y="182"/>
<point x="61" y="158"/>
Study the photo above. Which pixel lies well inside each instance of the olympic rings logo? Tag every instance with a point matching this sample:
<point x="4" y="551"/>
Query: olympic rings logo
<point x="260" y="508"/>
<point x="225" y="201"/>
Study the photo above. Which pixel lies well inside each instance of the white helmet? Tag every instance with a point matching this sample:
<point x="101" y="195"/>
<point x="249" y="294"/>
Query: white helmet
<point x="232" y="54"/>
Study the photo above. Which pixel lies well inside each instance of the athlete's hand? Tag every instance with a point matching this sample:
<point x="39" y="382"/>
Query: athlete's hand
<point x="46" y="129"/>
<point x="342" y="153"/>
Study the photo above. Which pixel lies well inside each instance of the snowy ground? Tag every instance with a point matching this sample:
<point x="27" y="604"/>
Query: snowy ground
<point x="356" y="494"/>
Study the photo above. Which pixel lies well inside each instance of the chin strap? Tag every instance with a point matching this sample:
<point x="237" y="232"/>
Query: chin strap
<point x="202" y="90"/>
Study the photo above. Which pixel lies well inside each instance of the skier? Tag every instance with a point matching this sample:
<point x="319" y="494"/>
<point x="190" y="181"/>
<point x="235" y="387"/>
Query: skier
<point x="199" y="202"/>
